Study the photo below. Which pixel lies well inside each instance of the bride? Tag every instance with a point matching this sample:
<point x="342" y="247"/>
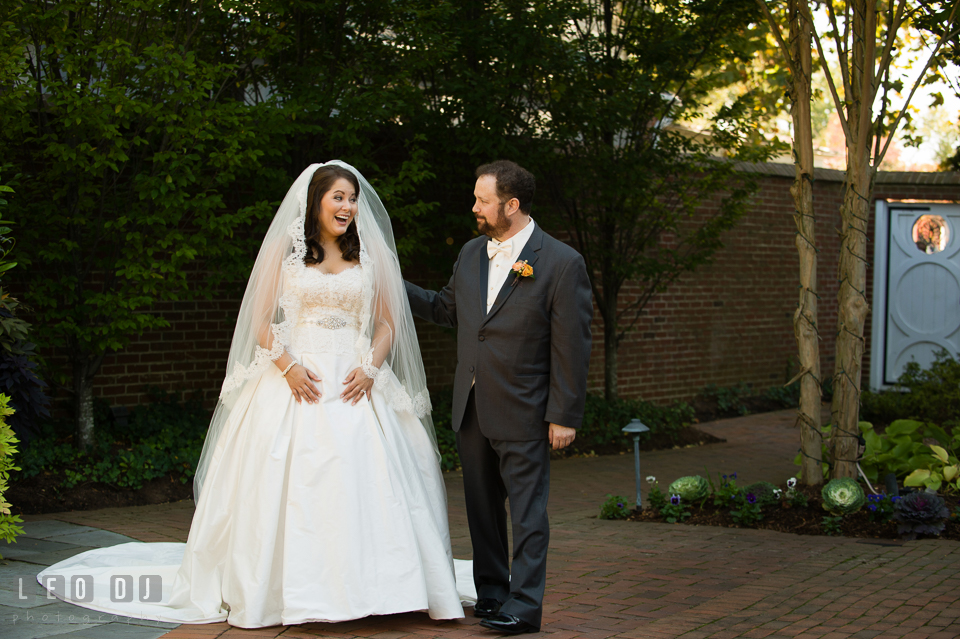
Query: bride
<point x="319" y="493"/>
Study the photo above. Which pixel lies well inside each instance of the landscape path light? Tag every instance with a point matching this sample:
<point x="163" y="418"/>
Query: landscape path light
<point x="634" y="428"/>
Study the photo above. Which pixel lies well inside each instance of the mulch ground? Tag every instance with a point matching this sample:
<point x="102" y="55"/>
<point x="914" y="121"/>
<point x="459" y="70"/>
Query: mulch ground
<point x="683" y="438"/>
<point x="802" y="521"/>
<point x="44" y="494"/>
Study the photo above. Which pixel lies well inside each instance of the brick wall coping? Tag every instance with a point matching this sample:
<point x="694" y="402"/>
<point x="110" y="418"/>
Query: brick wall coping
<point x="944" y="178"/>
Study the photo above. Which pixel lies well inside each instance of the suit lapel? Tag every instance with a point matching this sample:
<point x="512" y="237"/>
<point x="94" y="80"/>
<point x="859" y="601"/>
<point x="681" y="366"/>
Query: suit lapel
<point x="483" y="270"/>
<point x="529" y="253"/>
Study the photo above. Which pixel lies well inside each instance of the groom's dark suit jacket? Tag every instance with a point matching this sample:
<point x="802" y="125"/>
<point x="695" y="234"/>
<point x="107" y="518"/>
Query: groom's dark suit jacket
<point x="530" y="353"/>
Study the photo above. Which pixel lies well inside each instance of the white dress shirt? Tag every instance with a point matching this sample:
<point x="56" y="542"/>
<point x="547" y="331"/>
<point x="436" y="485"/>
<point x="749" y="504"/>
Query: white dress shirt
<point x="499" y="267"/>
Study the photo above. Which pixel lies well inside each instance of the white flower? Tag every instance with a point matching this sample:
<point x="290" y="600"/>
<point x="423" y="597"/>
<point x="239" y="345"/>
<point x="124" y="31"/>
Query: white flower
<point x="791" y="482"/>
<point x="777" y="492"/>
<point x="651" y="479"/>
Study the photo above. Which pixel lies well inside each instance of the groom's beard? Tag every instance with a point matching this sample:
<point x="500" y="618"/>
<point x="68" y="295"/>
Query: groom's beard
<point x="498" y="228"/>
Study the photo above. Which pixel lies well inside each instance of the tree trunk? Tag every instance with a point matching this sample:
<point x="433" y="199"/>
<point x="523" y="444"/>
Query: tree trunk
<point x="609" y="360"/>
<point x="852" y="315"/>
<point x="854" y="215"/>
<point x="806" y="316"/>
<point x="83" y="404"/>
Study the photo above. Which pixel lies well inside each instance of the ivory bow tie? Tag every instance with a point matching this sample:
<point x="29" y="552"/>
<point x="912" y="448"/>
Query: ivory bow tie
<point x="502" y="247"/>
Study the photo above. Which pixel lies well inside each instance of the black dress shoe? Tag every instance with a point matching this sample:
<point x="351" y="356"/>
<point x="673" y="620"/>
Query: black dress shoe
<point x="486" y="608"/>
<point x="508" y="624"/>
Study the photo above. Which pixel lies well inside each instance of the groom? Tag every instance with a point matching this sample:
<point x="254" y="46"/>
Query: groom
<point x="521" y="302"/>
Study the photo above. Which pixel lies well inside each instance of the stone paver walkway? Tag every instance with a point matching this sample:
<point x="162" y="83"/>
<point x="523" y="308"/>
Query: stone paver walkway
<point x="608" y="578"/>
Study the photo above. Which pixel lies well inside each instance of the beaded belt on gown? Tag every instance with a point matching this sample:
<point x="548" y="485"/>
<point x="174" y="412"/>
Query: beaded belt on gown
<point x="333" y="322"/>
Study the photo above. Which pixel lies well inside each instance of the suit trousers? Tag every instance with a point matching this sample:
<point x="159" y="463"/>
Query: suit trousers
<point x="493" y="471"/>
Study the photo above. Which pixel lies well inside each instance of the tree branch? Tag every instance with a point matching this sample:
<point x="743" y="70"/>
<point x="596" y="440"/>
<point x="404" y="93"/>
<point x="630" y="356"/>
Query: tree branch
<point x="919" y="80"/>
<point x="778" y="34"/>
<point x="841" y="112"/>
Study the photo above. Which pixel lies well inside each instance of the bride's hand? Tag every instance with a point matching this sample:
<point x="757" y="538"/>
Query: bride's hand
<point x="301" y="382"/>
<point x="358" y="385"/>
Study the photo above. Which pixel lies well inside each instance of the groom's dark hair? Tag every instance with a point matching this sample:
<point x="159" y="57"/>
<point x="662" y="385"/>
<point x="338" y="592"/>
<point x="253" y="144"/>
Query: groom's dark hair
<point x="513" y="181"/>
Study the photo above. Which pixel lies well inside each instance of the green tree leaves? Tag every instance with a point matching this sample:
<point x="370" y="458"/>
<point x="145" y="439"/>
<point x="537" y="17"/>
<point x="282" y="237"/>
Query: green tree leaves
<point x="129" y="143"/>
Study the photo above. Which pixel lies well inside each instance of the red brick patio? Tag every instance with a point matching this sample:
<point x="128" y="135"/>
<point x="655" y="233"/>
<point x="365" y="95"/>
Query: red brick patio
<point x="639" y="580"/>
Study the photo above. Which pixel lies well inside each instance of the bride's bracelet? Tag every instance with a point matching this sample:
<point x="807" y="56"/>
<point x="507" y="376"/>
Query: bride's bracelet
<point x="287" y="369"/>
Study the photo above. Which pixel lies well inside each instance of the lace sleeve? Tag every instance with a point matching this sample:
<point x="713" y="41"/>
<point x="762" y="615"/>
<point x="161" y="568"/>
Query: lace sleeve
<point x="377" y="374"/>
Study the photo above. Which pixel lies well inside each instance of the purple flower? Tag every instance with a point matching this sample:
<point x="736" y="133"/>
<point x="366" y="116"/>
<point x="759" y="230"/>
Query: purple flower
<point x="619" y="504"/>
<point x="872" y="507"/>
<point x="675" y="500"/>
<point x="733" y="476"/>
<point x="724" y="476"/>
<point x="895" y="498"/>
<point x="751" y="498"/>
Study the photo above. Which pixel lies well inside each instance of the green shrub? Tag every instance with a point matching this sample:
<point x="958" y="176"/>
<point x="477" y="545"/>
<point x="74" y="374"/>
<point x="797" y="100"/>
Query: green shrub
<point x="884" y="407"/>
<point x="785" y="396"/>
<point x="603" y="421"/>
<point x="446" y="439"/>
<point x="655" y="498"/>
<point x="676" y="510"/>
<point x="901" y="449"/>
<point x="747" y="507"/>
<point x="729" y="399"/>
<point x="928" y="395"/>
<point x="160" y="439"/>
<point x="8" y="441"/>
<point x="831" y="525"/>
<point x="940" y="473"/>
<point x="796" y="499"/>
<point x="842" y="496"/>
<point x="726" y="490"/>
<point x="615" y="507"/>
<point x="765" y="493"/>
<point x="789" y="396"/>
<point x="18" y="378"/>
<point x="881" y="507"/>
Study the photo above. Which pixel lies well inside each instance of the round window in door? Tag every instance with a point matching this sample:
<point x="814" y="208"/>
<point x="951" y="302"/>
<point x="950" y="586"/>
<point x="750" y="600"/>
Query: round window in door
<point x="931" y="234"/>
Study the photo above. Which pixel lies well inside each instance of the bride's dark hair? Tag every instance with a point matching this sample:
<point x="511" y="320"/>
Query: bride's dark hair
<point x="349" y="243"/>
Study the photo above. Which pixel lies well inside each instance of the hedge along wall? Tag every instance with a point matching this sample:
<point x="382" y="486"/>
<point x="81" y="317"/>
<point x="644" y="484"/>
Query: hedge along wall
<point x="726" y="323"/>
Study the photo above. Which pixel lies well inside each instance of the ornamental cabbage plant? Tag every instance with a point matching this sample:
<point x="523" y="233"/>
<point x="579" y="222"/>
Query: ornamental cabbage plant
<point x="842" y="496"/>
<point x="920" y="514"/>
<point x="691" y="489"/>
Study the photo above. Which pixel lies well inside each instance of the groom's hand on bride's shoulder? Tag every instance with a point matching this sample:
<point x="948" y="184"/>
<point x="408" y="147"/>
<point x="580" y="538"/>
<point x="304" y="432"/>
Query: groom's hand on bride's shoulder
<point x="561" y="436"/>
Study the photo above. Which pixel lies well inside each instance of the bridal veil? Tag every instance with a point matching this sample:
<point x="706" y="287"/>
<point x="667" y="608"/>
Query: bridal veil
<point x="266" y="316"/>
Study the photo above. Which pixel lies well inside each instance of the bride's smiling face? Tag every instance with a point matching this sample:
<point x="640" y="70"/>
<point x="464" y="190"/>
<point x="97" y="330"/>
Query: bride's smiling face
<point x="338" y="207"/>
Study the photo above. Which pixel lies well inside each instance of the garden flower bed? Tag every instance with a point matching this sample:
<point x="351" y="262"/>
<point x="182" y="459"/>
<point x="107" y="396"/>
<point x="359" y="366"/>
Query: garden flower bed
<point x="791" y="509"/>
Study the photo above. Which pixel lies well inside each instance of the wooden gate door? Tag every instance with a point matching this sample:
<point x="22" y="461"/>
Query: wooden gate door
<point x="916" y="286"/>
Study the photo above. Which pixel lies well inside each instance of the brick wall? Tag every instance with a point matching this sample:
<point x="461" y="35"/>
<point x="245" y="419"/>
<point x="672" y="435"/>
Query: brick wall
<point x="728" y="322"/>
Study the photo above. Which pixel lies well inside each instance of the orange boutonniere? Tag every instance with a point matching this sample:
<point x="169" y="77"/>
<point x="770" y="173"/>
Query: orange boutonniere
<point x="522" y="269"/>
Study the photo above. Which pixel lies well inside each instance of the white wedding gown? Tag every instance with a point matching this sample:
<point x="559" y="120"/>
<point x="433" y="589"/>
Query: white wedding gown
<point x="309" y="512"/>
